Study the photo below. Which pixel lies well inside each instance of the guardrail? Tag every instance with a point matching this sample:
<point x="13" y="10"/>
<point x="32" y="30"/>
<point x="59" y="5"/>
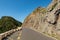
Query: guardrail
<point x="5" y="34"/>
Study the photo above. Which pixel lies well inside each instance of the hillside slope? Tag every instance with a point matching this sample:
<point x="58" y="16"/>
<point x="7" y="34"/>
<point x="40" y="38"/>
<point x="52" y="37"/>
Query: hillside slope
<point x="8" y="23"/>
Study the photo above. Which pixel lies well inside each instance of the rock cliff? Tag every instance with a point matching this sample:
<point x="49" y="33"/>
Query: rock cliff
<point x="45" y="20"/>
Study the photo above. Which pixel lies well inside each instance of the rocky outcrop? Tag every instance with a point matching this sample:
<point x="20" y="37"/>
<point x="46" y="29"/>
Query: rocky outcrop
<point x="45" y="20"/>
<point x="35" y="18"/>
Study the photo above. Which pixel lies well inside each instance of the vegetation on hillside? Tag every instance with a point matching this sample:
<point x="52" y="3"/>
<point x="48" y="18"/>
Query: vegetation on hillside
<point x="8" y="23"/>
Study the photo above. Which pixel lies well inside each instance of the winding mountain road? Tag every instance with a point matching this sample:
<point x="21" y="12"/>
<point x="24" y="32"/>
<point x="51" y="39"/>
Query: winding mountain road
<point x="27" y="34"/>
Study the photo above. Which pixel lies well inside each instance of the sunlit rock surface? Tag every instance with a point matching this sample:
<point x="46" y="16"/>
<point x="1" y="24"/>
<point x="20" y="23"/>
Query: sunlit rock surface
<point x="45" y="20"/>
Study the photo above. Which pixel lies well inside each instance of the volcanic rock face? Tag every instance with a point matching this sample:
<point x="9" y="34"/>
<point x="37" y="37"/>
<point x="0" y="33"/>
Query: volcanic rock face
<point x="45" y="20"/>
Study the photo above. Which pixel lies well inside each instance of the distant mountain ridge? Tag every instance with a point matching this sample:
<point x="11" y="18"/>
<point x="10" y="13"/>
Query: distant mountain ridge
<point x="8" y="23"/>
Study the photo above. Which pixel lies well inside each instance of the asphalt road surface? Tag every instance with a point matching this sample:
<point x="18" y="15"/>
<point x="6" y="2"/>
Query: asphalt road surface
<point x="29" y="34"/>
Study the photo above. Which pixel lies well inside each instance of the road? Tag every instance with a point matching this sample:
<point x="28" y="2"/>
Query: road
<point x="29" y="34"/>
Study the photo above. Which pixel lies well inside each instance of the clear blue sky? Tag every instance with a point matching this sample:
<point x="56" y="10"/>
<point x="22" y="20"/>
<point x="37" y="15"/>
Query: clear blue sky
<point x="19" y="9"/>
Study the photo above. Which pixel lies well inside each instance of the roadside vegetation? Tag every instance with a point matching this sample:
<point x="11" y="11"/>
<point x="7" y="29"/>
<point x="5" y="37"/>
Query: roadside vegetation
<point x="7" y="23"/>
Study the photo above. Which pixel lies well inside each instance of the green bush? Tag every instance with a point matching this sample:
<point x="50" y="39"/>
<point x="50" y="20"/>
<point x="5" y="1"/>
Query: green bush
<point x="8" y="23"/>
